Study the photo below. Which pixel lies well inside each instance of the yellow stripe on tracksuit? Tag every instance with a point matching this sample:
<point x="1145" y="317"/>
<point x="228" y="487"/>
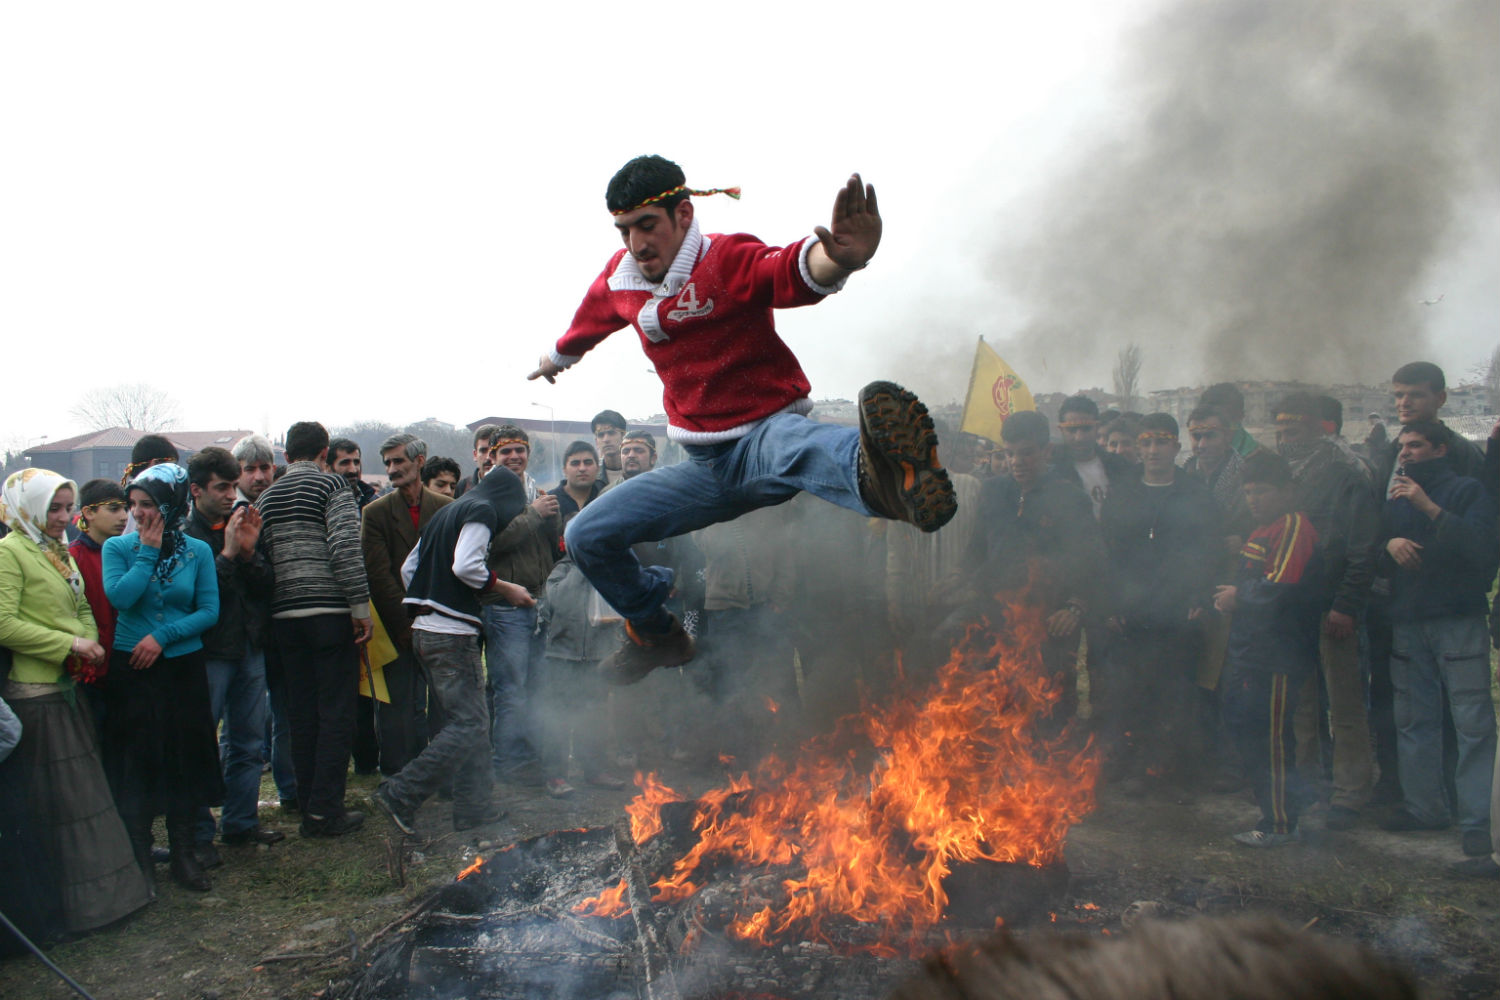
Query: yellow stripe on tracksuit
<point x="1278" y="754"/>
<point x="1285" y="551"/>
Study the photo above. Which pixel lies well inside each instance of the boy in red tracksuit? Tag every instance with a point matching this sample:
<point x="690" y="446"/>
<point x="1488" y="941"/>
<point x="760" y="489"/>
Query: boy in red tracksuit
<point x="735" y="396"/>
<point x="1273" y="643"/>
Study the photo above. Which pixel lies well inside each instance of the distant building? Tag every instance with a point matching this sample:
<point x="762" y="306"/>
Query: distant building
<point x="105" y="454"/>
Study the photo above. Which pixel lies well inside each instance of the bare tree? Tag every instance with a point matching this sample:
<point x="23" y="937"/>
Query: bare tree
<point x="136" y="405"/>
<point x="1488" y="372"/>
<point x="1128" y="373"/>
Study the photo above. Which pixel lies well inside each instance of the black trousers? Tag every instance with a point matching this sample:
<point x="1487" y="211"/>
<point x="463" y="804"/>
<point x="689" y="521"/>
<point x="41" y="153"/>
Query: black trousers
<point x="322" y="685"/>
<point x="1258" y="709"/>
<point x="389" y="734"/>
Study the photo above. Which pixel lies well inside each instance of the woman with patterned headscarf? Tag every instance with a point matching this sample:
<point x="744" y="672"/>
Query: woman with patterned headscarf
<point x="159" y="747"/>
<point x="67" y="864"/>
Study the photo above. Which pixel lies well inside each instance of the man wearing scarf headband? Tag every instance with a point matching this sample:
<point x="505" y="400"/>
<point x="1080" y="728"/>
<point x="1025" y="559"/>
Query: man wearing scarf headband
<point x="734" y="394"/>
<point x="1335" y="496"/>
<point x="1438" y="530"/>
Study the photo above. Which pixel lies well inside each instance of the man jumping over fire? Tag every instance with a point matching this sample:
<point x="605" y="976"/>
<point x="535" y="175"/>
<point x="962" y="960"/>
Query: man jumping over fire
<point x="735" y="396"/>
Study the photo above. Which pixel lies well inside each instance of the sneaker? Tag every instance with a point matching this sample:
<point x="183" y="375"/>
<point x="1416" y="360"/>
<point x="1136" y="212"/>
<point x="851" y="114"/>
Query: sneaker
<point x="1340" y="818"/>
<point x="254" y="835"/>
<point x="492" y="814"/>
<point x="1484" y="867"/>
<point x="1402" y="821"/>
<point x="642" y="652"/>
<point x="559" y="788"/>
<point x="1477" y="843"/>
<point x="900" y="476"/>
<point x="331" y="826"/>
<point x="404" y="820"/>
<point x="1260" y="838"/>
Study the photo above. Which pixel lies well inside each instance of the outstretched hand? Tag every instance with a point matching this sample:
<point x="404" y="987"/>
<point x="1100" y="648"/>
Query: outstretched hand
<point x="853" y="234"/>
<point x="546" y="368"/>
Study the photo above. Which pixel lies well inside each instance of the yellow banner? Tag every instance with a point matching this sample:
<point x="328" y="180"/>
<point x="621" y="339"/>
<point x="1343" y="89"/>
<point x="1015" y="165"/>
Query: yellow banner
<point x="995" y="392"/>
<point x="374" y="655"/>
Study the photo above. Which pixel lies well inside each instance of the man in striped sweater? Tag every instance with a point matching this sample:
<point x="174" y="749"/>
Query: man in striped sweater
<point x="319" y="615"/>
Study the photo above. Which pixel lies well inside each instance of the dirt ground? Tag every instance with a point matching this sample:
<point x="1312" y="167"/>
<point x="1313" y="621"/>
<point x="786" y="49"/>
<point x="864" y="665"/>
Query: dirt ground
<point x="290" y="920"/>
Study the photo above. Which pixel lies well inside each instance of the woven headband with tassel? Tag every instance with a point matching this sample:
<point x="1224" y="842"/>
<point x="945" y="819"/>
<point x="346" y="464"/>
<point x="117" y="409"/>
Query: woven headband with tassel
<point x="733" y="192"/>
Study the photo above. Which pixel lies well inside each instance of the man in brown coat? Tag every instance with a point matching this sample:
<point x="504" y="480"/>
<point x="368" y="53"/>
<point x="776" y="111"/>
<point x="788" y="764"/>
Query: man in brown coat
<point x="390" y="529"/>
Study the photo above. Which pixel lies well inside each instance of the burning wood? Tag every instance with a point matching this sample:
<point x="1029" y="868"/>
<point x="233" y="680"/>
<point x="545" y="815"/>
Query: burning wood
<point x="867" y="824"/>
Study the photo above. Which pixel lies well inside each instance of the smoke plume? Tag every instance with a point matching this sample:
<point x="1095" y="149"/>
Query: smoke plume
<point x="1282" y="176"/>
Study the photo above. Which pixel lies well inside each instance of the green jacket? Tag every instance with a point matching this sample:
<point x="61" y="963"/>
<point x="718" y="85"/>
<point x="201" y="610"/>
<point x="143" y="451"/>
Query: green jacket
<point x="40" y="615"/>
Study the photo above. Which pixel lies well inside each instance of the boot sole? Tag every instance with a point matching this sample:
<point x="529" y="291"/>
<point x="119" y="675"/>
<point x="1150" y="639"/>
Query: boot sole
<point x="901" y="429"/>
<point x="616" y="674"/>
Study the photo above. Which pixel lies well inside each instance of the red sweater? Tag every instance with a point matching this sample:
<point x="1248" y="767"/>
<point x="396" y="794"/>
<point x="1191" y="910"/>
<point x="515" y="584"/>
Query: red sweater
<point x="90" y="560"/>
<point x="708" y="329"/>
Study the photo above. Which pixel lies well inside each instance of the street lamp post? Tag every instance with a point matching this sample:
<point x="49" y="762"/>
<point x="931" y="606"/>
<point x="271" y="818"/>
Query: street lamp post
<point x="552" y="449"/>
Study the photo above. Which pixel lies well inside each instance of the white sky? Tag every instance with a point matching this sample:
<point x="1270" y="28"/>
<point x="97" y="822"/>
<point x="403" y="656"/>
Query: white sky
<point x="342" y="211"/>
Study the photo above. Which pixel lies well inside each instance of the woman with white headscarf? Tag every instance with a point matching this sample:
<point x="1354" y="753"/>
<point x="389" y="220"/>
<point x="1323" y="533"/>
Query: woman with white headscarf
<point x="67" y="863"/>
<point x="160" y="750"/>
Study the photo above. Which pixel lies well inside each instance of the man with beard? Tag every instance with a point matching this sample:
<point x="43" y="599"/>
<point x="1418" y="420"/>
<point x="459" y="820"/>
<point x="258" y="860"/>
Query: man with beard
<point x="388" y="531"/>
<point x="1439" y="536"/>
<point x="344" y="459"/>
<point x="522" y="552"/>
<point x="734" y="393"/>
<point x="1163" y="535"/>
<point x="1336" y="499"/>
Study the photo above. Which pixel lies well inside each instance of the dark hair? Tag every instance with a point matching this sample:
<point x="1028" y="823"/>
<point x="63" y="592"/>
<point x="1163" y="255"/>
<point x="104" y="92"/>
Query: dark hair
<point x="645" y="177"/>
<point x="1331" y="411"/>
<point x="1201" y="412"/>
<point x="150" y="447"/>
<point x="645" y="437"/>
<point x="210" y="462"/>
<point x="1252" y="958"/>
<point x="580" y="446"/>
<point x="305" y="440"/>
<point x="1227" y="397"/>
<point x="1110" y="414"/>
<point x="438" y="465"/>
<point x="341" y="445"/>
<point x="1420" y="372"/>
<point x="411" y="446"/>
<point x="1300" y="404"/>
<point x="1128" y="424"/>
<point x="1026" y="427"/>
<point x="100" y="491"/>
<point x="1430" y="431"/>
<point x="609" y="418"/>
<point x="1078" y="404"/>
<point x="511" y="431"/>
<point x="485" y="433"/>
<point x="1264" y="466"/>
<point x="1160" y="422"/>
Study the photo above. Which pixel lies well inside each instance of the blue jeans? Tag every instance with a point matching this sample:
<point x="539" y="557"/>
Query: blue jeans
<point x="237" y="698"/>
<point x="460" y="751"/>
<point x="510" y="648"/>
<point x="1429" y="660"/>
<point x="783" y="455"/>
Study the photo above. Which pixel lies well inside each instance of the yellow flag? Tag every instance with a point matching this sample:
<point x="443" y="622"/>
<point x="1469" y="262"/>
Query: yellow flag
<point x="995" y="392"/>
<point x="374" y="655"/>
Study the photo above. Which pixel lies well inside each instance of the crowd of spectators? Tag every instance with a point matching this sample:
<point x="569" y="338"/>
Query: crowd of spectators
<point x="1305" y="618"/>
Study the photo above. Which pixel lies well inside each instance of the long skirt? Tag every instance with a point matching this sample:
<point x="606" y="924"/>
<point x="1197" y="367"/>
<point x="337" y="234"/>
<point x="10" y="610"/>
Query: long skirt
<point x="55" y="803"/>
<point x="160" y="751"/>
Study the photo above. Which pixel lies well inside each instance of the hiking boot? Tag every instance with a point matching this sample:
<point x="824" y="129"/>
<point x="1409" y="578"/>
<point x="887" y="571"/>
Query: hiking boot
<point x="642" y="652"/>
<point x="403" y="818"/>
<point x="900" y="476"/>
<point x="1260" y="838"/>
<point x="492" y="814"/>
<point x="331" y="826"/>
<point x="559" y="788"/>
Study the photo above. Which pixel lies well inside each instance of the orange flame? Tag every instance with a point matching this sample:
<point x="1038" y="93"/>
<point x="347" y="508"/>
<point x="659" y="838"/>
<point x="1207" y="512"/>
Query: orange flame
<point x="609" y="903"/>
<point x="961" y="775"/>
<point x="472" y="869"/>
<point x="771" y="705"/>
<point x="645" y="809"/>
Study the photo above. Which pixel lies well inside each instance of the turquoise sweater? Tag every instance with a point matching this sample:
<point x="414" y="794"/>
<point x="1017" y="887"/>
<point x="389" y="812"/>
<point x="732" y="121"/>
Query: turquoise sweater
<point x="175" y="613"/>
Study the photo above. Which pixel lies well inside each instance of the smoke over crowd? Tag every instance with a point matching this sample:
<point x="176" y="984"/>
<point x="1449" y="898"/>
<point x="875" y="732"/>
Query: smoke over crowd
<point x="1279" y="182"/>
